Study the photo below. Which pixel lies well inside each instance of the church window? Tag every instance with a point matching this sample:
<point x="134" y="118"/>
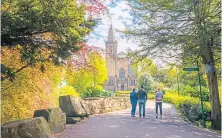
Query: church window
<point x="122" y="87"/>
<point x="110" y="82"/>
<point x="133" y="82"/>
<point x="122" y="73"/>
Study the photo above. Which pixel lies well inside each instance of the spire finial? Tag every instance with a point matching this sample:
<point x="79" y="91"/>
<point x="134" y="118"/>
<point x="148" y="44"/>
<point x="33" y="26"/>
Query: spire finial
<point x="111" y="36"/>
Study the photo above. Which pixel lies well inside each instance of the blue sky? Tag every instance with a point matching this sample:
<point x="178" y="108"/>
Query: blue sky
<point x="120" y="16"/>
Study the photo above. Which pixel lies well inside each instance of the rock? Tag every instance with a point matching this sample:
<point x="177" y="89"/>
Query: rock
<point x="73" y="120"/>
<point x="64" y="118"/>
<point x="85" y="107"/>
<point x="54" y="117"/>
<point x="71" y="106"/>
<point x="27" y="128"/>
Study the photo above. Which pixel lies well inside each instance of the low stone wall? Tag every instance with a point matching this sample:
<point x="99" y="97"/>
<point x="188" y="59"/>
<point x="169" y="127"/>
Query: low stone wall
<point x="75" y="107"/>
<point x="100" y="105"/>
<point x="50" y="121"/>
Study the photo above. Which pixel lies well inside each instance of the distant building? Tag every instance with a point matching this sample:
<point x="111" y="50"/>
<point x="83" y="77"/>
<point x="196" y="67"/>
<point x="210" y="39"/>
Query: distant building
<point x="122" y="76"/>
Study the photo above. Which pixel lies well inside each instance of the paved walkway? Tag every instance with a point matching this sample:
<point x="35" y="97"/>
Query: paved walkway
<point x="119" y="124"/>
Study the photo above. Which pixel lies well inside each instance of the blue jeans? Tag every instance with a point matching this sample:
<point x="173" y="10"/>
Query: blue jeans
<point x="160" y="105"/>
<point x="142" y="109"/>
<point x="133" y="110"/>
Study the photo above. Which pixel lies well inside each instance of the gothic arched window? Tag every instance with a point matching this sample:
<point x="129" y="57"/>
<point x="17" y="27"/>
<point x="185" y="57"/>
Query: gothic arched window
<point x="110" y="82"/>
<point x="133" y="82"/>
<point x="121" y="73"/>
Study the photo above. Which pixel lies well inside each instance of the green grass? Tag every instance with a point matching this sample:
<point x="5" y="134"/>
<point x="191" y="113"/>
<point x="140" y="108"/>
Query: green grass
<point x="123" y="93"/>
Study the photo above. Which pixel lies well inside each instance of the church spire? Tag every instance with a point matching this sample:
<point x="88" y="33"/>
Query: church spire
<point x="111" y="36"/>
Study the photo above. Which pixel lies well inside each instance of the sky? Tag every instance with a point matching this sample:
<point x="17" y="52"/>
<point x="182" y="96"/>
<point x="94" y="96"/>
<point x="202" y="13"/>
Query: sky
<point x="120" y="16"/>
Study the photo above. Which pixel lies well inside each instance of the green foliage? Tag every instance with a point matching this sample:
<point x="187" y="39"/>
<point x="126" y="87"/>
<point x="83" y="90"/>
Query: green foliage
<point x="30" y="90"/>
<point x="122" y="93"/>
<point x="97" y="67"/>
<point x="187" y="31"/>
<point x="94" y="92"/>
<point x="106" y="94"/>
<point x="89" y="80"/>
<point x="68" y="90"/>
<point x="194" y="92"/>
<point x="188" y="106"/>
<point x="97" y="92"/>
<point x="37" y="27"/>
<point x="146" y="81"/>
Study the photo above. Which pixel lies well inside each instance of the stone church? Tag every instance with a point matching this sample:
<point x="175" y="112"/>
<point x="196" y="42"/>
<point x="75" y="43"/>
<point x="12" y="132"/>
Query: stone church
<point x="122" y="76"/>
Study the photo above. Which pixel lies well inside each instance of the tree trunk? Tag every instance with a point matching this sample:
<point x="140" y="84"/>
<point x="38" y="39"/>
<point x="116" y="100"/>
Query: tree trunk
<point x="214" y="99"/>
<point x="208" y="59"/>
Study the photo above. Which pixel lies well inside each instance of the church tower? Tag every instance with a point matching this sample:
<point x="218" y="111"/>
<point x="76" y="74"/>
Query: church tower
<point x="111" y="43"/>
<point x="120" y="74"/>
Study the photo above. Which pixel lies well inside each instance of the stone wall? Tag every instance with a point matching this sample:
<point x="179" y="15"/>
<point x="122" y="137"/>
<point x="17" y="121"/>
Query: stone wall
<point x="51" y="121"/>
<point x="100" y="105"/>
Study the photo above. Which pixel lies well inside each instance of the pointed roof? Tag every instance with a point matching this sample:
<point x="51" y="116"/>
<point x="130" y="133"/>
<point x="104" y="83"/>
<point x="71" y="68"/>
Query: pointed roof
<point x="111" y="36"/>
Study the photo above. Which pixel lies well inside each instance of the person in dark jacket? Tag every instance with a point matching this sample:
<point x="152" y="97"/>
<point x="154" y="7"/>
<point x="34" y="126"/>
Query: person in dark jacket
<point x="133" y="100"/>
<point x="142" y="97"/>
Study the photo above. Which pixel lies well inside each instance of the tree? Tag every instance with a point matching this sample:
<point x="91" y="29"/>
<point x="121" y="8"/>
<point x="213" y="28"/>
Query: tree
<point x="97" y="67"/>
<point x="147" y="82"/>
<point x="30" y="90"/>
<point x="179" y="30"/>
<point x="39" y="27"/>
<point x="90" y="73"/>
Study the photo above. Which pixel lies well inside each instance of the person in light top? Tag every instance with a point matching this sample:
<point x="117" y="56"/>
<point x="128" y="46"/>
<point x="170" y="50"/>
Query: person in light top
<point x="159" y="100"/>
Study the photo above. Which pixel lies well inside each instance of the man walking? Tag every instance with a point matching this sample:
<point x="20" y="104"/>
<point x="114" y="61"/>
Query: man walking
<point x="159" y="99"/>
<point x="133" y="100"/>
<point x="142" y="96"/>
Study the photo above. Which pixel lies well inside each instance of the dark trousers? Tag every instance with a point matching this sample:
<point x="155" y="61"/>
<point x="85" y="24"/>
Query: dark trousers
<point x="142" y="109"/>
<point x="133" y="110"/>
<point x="159" y="104"/>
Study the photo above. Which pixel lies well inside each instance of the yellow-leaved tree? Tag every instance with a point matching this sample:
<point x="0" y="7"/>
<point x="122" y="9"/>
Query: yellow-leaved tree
<point x="30" y="90"/>
<point x="90" y="77"/>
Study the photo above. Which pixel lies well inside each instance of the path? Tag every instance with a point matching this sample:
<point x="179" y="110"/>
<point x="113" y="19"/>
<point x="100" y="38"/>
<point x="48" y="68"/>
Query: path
<point x="119" y="124"/>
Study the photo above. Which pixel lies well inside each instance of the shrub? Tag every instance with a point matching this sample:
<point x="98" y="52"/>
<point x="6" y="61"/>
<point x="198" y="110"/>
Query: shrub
<point x="97" y="92"/>
<point x="68" y="90"/>
<point x="123" y="93"/>
<point x="194" y="92"/>
<point x="106" y="94"/>
<point x="189" y="107"/>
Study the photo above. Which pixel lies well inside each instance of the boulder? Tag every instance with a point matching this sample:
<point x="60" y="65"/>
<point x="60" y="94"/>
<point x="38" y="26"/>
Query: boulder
<point x="27" y="128"/>
<point x="71" y="106"/>
<point x="55" y="118"/>
<point x="64" y="118"/>
<point x="73" y="120"/>
<point x="85" y="107"/>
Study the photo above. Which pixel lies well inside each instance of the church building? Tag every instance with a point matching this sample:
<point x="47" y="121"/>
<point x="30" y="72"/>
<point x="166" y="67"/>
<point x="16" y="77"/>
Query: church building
<point x="122" y="76"/>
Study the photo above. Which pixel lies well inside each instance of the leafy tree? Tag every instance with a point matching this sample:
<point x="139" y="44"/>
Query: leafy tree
<point x="89" y="75"/>
<point x="179" y="30"/>
<point x="39" y="27"/>
<point x="97" y="66"/>
<point x="147" y="82"/>
<point x="30" y="90"/>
